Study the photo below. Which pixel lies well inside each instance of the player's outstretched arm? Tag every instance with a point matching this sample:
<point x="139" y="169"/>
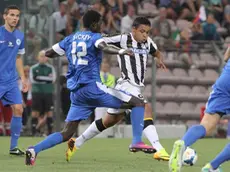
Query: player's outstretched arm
<point x="227" y="54"/>
<point x="111" y="49"/>
<point x="51" y="53"/>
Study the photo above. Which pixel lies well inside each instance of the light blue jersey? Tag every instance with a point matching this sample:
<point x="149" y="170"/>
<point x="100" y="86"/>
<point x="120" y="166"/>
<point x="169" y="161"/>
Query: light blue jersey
<point x="11" y="45"/>
<point x="83" y="56"/>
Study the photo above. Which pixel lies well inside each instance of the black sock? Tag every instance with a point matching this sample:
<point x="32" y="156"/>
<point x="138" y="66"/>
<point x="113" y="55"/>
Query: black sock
<point x="50" y="125"/>
<point x="34" y="122"/>
<point x="100" y="125"/>
<point x="147" y="122"/>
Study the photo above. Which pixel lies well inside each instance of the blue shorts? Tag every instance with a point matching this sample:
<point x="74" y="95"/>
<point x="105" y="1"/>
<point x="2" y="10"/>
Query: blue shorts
<point x="90" y="96"/>
<point x="219" y="99"/>
<point x="10" y="94"/>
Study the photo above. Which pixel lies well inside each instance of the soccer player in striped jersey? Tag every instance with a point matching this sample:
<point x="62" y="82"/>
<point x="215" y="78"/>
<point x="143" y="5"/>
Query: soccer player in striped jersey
<point x="133" y="71"/>
<point x="11" y="50"/>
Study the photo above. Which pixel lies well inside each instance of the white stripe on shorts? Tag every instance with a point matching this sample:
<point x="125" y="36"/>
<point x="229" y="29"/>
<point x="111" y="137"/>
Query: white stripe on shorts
<point x="116" y="93"/>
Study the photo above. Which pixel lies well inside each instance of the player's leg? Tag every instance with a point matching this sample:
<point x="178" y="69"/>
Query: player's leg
<point x="51" y="141"/>
<point x="97" y="127"/>
<point x="216" y="106"/>
<point x="93" y="130"/>
<point x="152" y="135"/>
<point x="13" y="97"/>
<point x="214" y="165"/>
<point x="75" y="115"/>
<point x="136" y="103"/>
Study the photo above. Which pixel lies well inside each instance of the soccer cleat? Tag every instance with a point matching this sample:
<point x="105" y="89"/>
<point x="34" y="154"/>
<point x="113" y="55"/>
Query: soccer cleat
<point x="175" y="161"/>
<point x="208" y="168"/>
<point x="71" y="149"/>
<point x="16" y="151"/>
<point x="141" y="147"/>
<point x="161" y="155"/>
<point x="30" y="156"/>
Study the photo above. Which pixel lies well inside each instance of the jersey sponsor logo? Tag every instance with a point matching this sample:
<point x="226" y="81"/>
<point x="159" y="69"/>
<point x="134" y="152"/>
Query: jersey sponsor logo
<point x="10" y="44"/>
<point x="18" y="41"/>
<point x="139" y="51"/>
<point x="1" y="42"/>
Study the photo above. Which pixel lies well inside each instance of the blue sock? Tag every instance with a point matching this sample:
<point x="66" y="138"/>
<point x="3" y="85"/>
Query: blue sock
<point x="137" y="120"/>
<point x="15" y="126"/>
<point x="193" y="134"/>
<point x="50" y="141"/>
<point x="223" y="156"/>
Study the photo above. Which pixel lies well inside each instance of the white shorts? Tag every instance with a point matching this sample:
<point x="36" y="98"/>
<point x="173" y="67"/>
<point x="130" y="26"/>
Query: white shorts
<point x="130" y="88"/>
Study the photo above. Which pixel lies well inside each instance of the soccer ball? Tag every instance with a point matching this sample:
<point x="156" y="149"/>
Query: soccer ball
<point x="189" y="157"/>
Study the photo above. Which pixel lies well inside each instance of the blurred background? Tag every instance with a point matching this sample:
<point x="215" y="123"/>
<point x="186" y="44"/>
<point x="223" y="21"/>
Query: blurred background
<point x="191" y="34"/>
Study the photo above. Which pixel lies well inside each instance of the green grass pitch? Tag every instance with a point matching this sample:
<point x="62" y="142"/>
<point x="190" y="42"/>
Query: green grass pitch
<point x="103" y="155"/>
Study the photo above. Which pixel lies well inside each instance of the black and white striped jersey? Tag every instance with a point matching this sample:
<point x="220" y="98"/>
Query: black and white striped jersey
<point x="132" y="68"/>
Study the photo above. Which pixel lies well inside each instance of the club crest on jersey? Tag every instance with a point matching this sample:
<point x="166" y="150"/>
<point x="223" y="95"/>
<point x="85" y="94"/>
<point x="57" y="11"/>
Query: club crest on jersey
<point x="140" y="96"/>
<point x="18" y="41"/>
<point x="10" y="44"/>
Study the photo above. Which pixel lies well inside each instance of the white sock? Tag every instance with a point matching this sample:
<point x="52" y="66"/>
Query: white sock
<point x="151" y="134"/>
<point x="88" y="134"/>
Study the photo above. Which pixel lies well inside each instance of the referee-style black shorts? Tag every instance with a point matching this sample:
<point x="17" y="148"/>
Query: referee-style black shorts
<point x="42" y="102"/>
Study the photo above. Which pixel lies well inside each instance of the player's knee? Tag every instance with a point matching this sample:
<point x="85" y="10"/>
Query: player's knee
<point x="135" y="101"/>
<point x="111" y="119"/>
<point x="17" y="110"/>
<point x="69" y="130"/>
<point x="209" y="121"/>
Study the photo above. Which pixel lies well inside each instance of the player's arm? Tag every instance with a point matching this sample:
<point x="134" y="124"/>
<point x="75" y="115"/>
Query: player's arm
<point x="57" y="49"/>
<point x="20" y="68"/>
<point x="156" y="54"/>
<point x="227" y="54"/>
<point x="111" y="49"/>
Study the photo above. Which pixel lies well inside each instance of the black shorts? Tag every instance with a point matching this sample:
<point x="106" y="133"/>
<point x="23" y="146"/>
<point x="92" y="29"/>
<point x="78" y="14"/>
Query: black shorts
<point x="42" y="102"/>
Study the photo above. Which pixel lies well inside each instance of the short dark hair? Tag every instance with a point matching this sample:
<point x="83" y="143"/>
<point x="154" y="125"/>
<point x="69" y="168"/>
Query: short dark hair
<point x="91" y="18"/>
<point x="141" y="20"/>
<point x="11" y="7"/>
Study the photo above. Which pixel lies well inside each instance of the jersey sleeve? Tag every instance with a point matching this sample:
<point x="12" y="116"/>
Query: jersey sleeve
<point x="152" y="46"/>
<point x="113" y="39"/>
<point x="98" y="39"/>
<point x="59" y="48"/>
<point x="21" y="49"/>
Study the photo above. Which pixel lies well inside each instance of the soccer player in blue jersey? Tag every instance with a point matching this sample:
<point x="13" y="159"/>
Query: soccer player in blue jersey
<point x="217" y="106"/>
<point x="11" y="49"/>
<point x="84" y="52"/>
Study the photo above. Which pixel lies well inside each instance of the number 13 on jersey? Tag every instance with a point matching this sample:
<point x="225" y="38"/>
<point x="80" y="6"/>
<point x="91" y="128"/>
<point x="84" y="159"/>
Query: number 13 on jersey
<point x="78" y="52"/>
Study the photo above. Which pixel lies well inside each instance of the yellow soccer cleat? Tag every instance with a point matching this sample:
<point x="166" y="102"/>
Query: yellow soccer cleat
<point x="71" y="149"/>
<point x="161" y="155"/>
<point x="175" y="160"/>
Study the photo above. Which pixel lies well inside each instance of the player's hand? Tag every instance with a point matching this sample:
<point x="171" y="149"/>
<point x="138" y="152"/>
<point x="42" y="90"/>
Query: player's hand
<point x="161" y="64"/>
<point x="126" y="52"/>
<point x="25" y="85"/>
<point x="159" y="61"/>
